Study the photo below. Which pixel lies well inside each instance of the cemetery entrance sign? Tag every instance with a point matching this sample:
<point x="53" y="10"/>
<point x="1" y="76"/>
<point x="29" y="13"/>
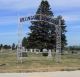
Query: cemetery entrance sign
<point x="56" y="21"/>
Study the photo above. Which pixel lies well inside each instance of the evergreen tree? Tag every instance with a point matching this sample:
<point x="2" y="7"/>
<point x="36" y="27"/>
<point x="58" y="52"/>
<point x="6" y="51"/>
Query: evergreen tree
<point x="13" y="46"/>
<point x="24" y="42"/>
<point x="1" y="46"/>
<point x="7" y="47"/>
<point x="42" y="33"/>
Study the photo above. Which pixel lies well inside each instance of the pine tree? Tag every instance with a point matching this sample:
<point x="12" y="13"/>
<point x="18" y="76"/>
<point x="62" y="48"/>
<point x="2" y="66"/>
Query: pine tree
<point x="13" y="46"/>
<point x="25" y="42"/>
<point x="1" y="46"/>
<point x="42" y="33"/>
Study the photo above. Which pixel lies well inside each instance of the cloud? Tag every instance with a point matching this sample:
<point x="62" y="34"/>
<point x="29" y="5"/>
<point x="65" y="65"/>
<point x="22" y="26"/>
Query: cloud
<point x="71" y="17"/>
<point x="26" y="4"/>
<point x="65" y="3"/>
<point x="18" y="4"/>
<point x="8" y="34"/>
<point x="8" y="20"/>
<point x="10" y="10"/>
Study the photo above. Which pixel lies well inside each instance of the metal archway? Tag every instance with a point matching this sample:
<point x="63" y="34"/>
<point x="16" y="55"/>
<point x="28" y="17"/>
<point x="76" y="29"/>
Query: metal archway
<point x="42" y="18"/>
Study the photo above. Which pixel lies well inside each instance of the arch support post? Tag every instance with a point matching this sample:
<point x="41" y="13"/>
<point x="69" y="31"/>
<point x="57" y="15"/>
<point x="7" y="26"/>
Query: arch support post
<point x="58" y="42"/>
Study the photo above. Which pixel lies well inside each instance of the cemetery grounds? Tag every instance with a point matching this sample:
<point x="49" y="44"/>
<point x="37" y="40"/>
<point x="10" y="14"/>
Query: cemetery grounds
<point x="35" y="62"/>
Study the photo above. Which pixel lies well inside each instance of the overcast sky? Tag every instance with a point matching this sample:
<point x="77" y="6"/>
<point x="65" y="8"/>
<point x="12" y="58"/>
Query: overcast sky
<point x="12" y="10"/>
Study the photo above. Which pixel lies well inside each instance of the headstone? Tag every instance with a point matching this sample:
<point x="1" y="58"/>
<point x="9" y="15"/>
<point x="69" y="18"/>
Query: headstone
<point x="34" y="50"/>
<point x="26" y="50"/>
<point x="49" y="54"/>
<point x="45" y="52"/>
<point x="37" y="51"/>
<point x="31" y="50"/>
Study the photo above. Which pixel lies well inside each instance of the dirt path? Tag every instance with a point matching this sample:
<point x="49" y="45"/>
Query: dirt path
<point x="43" y="74"/>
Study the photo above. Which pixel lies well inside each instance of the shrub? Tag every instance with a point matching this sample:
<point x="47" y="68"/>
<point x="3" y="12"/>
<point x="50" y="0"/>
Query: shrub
<point x="45" y="53"/>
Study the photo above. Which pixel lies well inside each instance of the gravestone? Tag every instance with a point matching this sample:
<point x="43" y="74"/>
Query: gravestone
<point x="37" y="51"/>
<point x="31" y="50"/>
<point x="49" y="54"/>
<point x="45" y="52"/>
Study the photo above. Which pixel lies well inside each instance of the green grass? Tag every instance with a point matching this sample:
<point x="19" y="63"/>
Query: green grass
<point x="36" y="62"/>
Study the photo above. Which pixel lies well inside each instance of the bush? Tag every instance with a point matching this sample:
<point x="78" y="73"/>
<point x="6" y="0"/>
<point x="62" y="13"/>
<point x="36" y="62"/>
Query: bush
<point x="45" y="53"/>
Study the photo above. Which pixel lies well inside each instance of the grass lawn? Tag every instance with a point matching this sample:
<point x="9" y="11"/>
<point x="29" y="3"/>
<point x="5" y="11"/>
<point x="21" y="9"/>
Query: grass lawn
<point x="37" y="63"/>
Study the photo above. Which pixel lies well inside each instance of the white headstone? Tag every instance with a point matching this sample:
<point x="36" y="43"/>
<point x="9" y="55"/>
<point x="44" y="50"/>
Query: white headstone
<point x="45" y="50"/>
<point x="31" y="50"/>
<point x="49" y="54"/>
